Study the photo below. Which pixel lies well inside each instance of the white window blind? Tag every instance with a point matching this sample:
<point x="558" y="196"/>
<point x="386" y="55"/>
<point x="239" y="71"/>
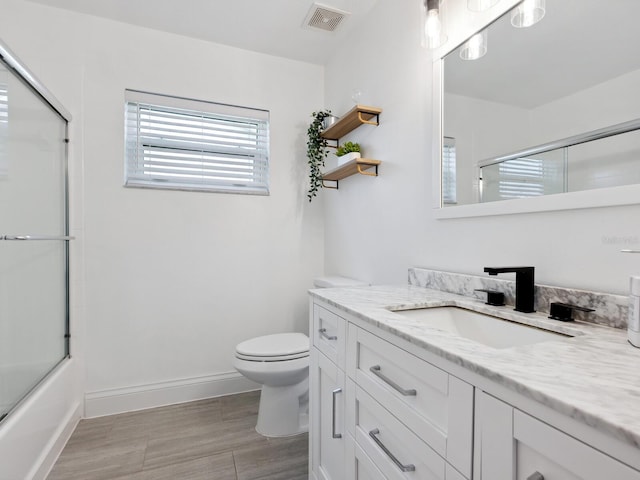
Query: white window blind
<point x="524" y="177"/>
<point x="176" y="143"/>
<point x="521" y="178"/>
<point x="449" y="171"/>
<point x="4" y="122"/>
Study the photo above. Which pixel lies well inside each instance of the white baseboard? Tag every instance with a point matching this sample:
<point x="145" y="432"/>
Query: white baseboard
<point x="120" y="400"/>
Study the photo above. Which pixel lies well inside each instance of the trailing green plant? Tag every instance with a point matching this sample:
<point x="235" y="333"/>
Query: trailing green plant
<point x="347" y="147"/>
<point x="316" y="151"/>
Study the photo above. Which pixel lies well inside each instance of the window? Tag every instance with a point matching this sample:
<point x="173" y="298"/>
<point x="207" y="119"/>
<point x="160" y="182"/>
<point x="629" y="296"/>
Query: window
<point x="449" y="171"/>
<point x="175" y="143"/>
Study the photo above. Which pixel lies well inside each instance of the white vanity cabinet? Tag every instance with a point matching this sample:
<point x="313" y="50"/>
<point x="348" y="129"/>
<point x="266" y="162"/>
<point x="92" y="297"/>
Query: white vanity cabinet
<point x="392" y="415"/>
<point x="384" y="408"/>
<point x="512" y="445"/>
<point x="327" y="395"/>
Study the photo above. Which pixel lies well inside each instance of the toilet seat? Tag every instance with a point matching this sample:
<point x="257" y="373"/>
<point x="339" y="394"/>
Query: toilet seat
<point x="279" y="358"/>
<point x="274" y="348"/>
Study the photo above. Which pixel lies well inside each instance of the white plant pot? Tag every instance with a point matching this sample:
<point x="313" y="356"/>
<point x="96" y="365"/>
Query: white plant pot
<point x="348" y="157"/>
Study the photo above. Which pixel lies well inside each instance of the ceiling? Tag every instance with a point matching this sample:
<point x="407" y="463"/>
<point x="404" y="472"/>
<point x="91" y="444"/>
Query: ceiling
<point x="273" y="27"/>
<point x="578" y="44"/>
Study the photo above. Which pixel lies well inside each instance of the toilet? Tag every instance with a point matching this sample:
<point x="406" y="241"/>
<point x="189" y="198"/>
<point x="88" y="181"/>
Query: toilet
<point x="280" y="363"/>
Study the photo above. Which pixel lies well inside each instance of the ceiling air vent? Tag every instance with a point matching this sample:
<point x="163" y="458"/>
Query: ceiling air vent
<point x="324" y="17"/>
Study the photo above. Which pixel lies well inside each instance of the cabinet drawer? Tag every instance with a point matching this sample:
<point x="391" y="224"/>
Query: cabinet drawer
<point x="360" y="466"/>
<point x="329" y="334"/>
<point x="558" y="456"/>
<point x="391" y="445"/>
<point x="436" y="406"/>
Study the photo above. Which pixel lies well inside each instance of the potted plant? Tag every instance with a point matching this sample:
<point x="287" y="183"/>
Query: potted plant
<point x="316" y="151"/>
<point x="347" y="151"/>
<point x="329" y="121"/>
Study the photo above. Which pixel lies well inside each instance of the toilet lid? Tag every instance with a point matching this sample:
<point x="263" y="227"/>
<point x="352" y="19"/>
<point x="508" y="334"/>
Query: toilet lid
<point x="278" y="345"/>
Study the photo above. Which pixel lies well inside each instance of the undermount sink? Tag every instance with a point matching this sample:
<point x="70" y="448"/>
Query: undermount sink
<point x="491" y="331"/>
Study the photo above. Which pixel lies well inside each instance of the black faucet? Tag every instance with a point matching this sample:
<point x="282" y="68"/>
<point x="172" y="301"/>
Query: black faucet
<point x="525" y="293"/>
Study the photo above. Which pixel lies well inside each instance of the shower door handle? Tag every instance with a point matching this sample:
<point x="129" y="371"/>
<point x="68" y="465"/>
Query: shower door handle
<point x="65" y="238"/>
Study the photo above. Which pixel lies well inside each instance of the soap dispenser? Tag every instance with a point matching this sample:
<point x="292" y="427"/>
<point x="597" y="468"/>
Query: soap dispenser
<point x="633" y="327"/>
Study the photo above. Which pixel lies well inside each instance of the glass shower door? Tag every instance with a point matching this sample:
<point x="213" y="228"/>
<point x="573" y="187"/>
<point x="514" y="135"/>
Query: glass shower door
<point x="33" y="239"/>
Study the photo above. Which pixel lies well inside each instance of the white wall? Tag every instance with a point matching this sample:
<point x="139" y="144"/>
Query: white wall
<point x="374" y="227"/>
<point x="377" y="228"/>
<point x="174" y="280"/>
<point x="611" y="102"/>
<point x="474" y="124"/>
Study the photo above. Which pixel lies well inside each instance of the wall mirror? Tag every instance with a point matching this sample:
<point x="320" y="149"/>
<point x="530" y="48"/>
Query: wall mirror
<point x="543" y="110"/>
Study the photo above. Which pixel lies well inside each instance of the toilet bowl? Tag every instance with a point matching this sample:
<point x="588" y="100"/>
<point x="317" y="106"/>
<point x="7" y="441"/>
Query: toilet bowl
<point x="280" y="363"/>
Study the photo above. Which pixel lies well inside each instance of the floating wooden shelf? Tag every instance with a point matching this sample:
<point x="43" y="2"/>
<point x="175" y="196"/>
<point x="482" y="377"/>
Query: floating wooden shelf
<point x="358" y="165"/>
<point x="358" y="115"/>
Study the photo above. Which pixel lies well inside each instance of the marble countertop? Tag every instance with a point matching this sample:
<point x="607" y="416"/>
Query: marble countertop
<point x="593" y="377"/>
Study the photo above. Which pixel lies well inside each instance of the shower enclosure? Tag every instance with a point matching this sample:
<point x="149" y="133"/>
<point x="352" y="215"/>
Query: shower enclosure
<point x="34" y="237"/>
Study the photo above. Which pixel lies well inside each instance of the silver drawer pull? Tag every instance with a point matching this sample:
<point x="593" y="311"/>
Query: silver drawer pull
<point x="403" y="468"/>
<point x="333" y="415"/>
<point x="535" y="476"/>
<point x="376" y="371"/>
<point x="37" y="237"/>
<point x="323" y="333"/>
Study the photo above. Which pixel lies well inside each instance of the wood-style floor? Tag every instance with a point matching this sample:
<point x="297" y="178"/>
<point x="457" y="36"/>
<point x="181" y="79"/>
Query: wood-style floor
<point x="212" y="439"/>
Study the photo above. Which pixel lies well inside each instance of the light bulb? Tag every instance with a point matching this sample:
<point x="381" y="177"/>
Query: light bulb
<point x="475" y="47"/>
<point x="528" y="13"/>
<point x="433" y="26"/>
<point x="434" y="34"/>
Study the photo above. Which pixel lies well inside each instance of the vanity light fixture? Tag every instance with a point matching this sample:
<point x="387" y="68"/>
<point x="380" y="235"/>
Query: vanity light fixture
<point x="475" y="47"/>
<point x="528" y="13"/>
<point x="434" y="34"/>
<point x="480" y="5"/>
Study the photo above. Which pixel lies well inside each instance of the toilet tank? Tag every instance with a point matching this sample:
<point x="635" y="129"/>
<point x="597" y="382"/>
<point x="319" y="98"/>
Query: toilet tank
<point x="335" y="281"/>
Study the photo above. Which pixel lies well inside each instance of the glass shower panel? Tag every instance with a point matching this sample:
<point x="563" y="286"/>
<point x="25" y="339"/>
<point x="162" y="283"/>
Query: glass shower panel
<point x="33" y="272"/>
<point x="531" y="176"/>
<point x="607" y="162"/>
